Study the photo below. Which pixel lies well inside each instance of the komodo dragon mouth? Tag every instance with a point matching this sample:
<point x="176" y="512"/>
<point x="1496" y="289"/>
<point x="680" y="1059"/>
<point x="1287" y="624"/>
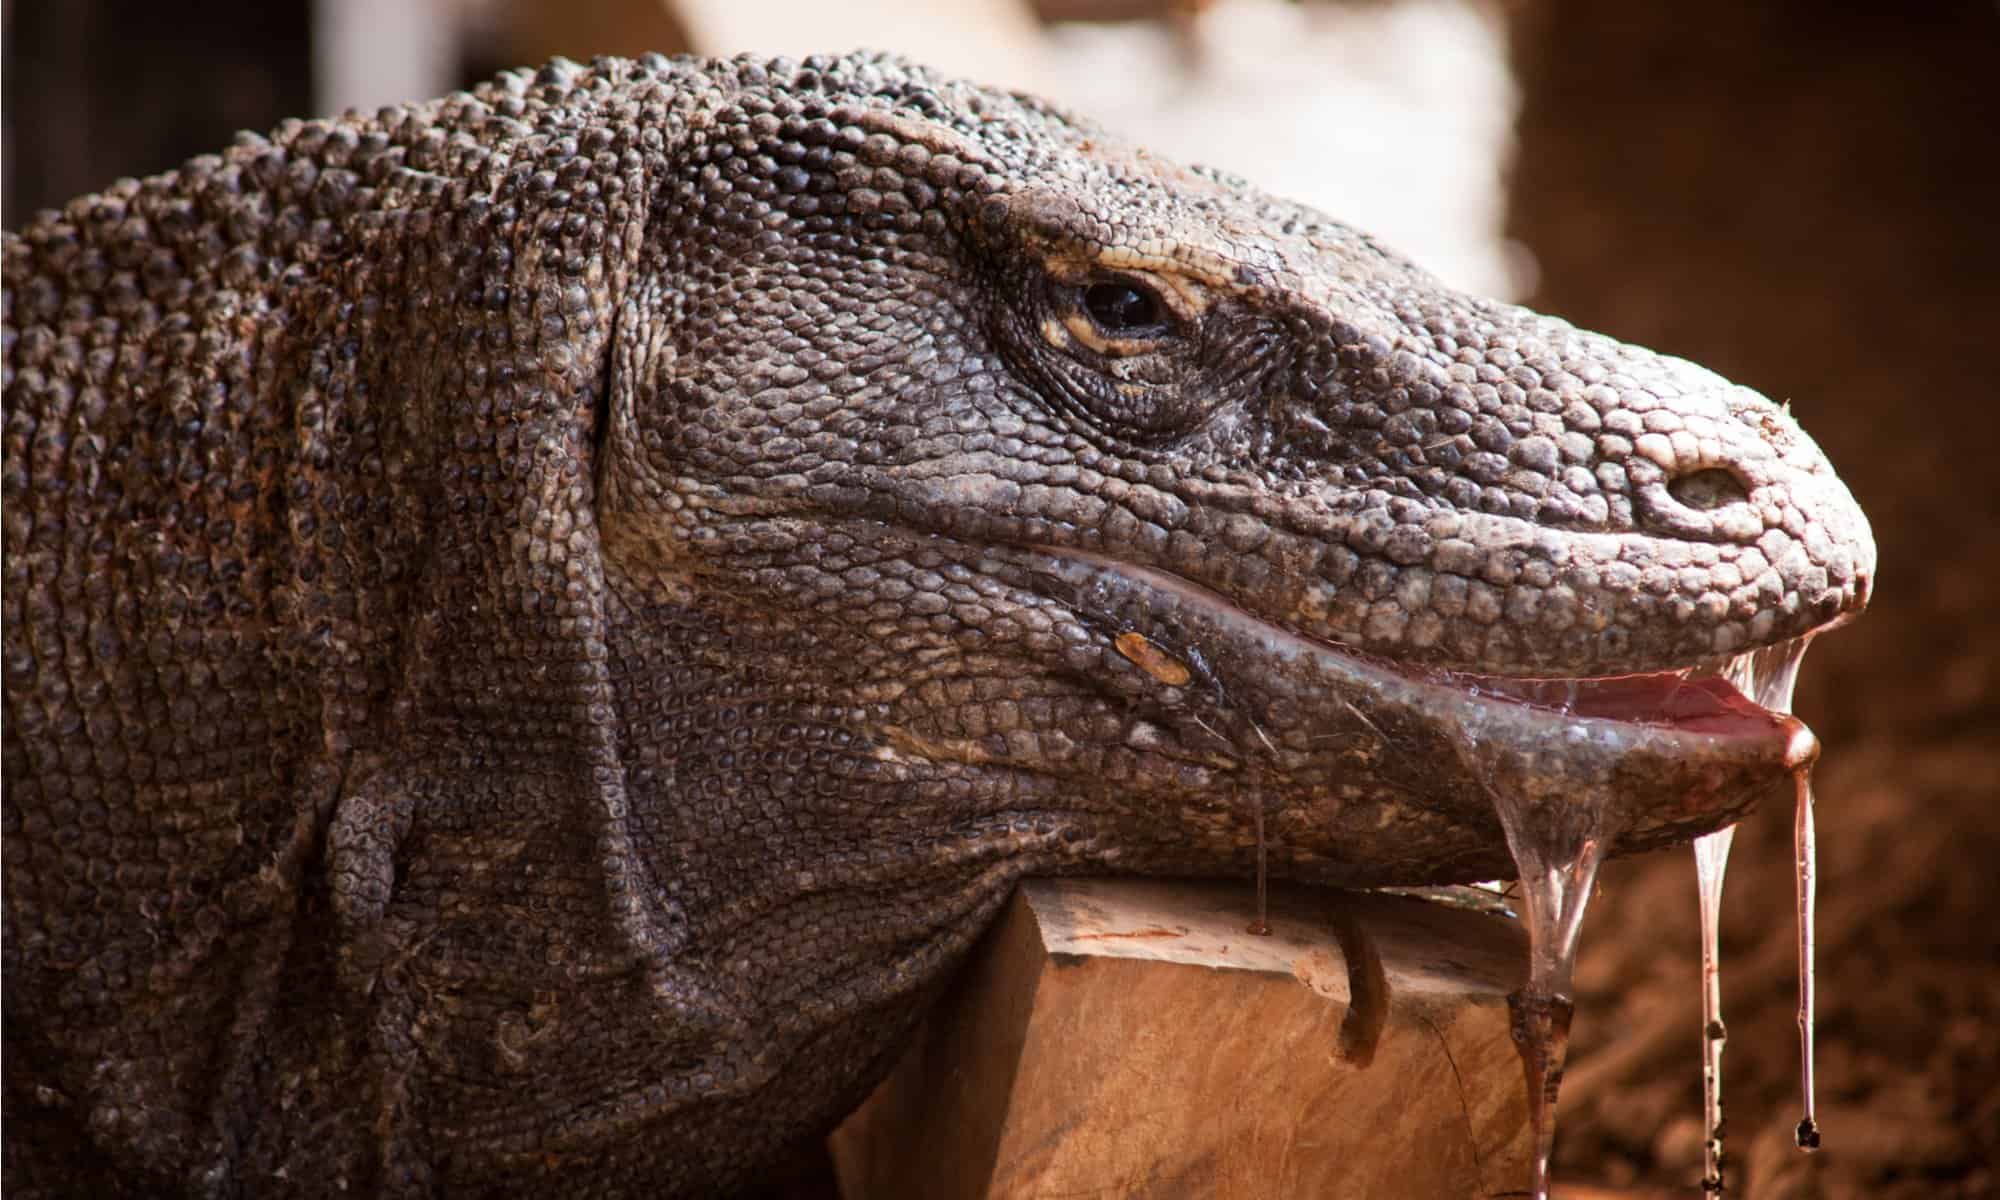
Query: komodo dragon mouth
<point x="1682" y="743"/>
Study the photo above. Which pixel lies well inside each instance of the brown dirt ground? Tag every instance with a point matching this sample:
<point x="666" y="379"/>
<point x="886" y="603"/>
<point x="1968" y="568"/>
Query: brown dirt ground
<point x="1801" y="196"/>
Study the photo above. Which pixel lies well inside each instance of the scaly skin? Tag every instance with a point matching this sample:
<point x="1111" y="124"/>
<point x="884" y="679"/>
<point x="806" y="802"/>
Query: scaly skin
<point x="540" y="625"/>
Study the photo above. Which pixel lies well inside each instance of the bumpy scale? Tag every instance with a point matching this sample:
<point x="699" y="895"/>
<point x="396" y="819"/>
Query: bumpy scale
<point x="540" y="625"/>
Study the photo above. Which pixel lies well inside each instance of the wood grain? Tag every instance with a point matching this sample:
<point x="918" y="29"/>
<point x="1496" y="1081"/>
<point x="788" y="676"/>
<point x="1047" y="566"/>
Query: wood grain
<point x="1126" y="1038"/>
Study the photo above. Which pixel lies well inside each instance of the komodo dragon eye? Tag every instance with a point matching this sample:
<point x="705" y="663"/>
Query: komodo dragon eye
<point x="1122" y="308"/>
<point x="1120" y="349"/>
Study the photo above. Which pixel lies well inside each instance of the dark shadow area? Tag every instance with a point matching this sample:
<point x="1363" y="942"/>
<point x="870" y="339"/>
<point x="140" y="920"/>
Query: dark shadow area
<point x="98" y="89"/>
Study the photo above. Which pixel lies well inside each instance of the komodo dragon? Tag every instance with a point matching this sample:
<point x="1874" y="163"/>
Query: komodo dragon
<point x="539" y="626"/>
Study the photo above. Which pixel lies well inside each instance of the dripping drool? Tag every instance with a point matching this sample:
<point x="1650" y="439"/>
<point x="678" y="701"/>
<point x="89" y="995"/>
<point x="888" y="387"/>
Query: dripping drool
<point x="1559" y="806"/>
<point x="1767" y="676"/>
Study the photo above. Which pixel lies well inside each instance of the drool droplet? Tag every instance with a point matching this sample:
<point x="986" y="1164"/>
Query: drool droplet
<point x="1807" y="1135"/>
<point x="1768" y="676"/>
<point x="1806" y="856"/>
<point x="1711" y="859"/>
<point x="1558" y="840"/>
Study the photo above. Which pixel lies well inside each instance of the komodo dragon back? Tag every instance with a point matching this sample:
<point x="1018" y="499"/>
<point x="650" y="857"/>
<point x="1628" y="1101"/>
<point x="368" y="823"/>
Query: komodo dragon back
<point x="540" y="625"/>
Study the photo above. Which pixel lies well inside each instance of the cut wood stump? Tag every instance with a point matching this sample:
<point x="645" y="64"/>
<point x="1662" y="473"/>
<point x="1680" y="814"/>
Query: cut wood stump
<point x="1119" y="1038"/>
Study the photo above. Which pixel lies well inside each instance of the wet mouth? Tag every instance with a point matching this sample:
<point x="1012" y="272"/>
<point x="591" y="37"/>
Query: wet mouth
<point x="1697" y="706"/>
<point x="1700" y="699"/>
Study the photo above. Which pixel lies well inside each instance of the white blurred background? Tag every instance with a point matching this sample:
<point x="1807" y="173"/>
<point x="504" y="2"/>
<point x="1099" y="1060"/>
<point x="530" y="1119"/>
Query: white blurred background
<point x="1393" y="117"/>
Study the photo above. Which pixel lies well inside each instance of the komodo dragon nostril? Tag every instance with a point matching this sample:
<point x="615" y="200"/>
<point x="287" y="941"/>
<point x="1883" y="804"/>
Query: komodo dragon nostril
<point x="1708" y="489"/>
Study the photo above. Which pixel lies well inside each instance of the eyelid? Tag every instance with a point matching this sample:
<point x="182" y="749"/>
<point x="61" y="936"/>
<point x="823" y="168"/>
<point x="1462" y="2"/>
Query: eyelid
<point x="1183" y="296"/>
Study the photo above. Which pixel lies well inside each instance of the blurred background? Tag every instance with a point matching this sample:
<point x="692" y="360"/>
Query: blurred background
<point x="1798" y="194"/>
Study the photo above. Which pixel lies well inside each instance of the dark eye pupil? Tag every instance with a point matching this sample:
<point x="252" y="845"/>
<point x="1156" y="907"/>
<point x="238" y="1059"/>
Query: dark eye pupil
<point x="1120" y="306"/>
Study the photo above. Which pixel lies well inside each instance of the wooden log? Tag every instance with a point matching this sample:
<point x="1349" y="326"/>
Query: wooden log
<point x="1129" y="1038"/>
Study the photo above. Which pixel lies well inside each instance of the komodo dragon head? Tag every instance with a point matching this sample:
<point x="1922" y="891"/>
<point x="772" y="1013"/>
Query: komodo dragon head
<point x="1106" y="499"/>
<point x="646" y="556"/>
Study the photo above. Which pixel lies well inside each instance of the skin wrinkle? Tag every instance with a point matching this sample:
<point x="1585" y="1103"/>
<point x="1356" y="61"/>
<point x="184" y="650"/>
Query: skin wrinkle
<point x="674" y="544"/>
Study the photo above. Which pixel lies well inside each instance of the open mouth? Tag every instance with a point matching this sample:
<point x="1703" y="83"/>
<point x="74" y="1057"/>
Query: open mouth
<point x="1694" y="700"/>
<point x="1693" y="712"/>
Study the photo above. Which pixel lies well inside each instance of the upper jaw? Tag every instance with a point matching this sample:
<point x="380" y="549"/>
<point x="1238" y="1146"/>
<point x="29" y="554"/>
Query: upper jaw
<point x="1495" y="594"/>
